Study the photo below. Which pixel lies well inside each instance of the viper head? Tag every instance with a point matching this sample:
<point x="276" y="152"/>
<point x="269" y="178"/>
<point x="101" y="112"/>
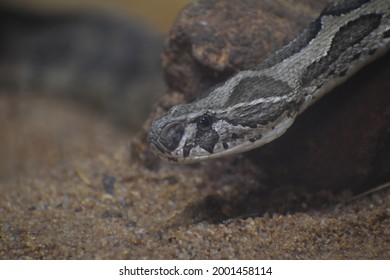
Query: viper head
<point x="218" y="125"/>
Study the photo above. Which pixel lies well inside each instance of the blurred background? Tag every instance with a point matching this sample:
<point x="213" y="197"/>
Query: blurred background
<point x="158" y="14"/>
<point x="76" y="76"/>
<point x="105" y="54"/>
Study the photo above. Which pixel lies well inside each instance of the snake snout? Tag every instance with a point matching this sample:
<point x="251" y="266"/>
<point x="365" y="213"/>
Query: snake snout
<point x="171" y="135"/>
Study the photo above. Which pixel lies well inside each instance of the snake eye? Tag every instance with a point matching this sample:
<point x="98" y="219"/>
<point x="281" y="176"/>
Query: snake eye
<point x="205" y="122"/>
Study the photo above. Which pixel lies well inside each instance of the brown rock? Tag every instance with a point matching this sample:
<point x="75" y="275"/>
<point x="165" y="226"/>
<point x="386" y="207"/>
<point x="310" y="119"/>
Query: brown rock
<point x="211" y="40"/>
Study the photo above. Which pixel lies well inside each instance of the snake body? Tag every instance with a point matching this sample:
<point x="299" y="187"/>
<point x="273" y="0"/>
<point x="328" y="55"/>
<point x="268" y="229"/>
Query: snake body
<point x="258" y="105"/>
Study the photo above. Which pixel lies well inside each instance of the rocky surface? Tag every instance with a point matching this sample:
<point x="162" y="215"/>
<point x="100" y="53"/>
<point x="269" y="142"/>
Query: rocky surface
<point x="211" y="40"/>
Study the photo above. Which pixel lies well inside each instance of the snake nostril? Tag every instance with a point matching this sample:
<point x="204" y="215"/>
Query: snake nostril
<point x="171" y="136"/>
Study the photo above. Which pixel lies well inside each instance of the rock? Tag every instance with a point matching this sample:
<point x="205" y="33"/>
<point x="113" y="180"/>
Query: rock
<point x="211" y="40"/>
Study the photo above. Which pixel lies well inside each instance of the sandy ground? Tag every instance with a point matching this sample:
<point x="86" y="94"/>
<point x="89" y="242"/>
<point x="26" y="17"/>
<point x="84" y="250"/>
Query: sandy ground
<point x="70" y="190"/>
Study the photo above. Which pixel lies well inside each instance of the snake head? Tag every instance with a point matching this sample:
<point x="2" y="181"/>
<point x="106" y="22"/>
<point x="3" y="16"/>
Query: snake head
<point x="194" y="132"/>
<point x="237" y="116"/>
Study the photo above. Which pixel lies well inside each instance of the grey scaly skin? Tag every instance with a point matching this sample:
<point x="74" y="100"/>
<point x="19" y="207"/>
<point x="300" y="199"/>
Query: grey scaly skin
<point x="257" y="106"/>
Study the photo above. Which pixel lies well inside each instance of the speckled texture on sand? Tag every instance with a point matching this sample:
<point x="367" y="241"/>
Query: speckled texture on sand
<point x="71" y="191"/>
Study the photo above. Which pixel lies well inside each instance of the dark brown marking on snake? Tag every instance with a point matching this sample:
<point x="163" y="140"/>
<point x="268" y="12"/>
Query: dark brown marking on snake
<point x="252" y="116"/>
<point x="372" y="51"/>
<point x="253" y="88"/>
<point x="187" y="149"/>
<point x="349" y="35"/>
<point x="206" y="139"/>
<point x="343" y="73"/>
<point x="294" y="46"/>
<point x="234" y="136"/>
<point x="386" y="34"/>
<point x="225" y="145"/>
<point x="356" y="56"/>
<point x="240" y="121"/>
<point x="339" y="8"/>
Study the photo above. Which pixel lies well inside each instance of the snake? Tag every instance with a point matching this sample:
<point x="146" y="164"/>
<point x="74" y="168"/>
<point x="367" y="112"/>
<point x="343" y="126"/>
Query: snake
<point x="258" y="105"/>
